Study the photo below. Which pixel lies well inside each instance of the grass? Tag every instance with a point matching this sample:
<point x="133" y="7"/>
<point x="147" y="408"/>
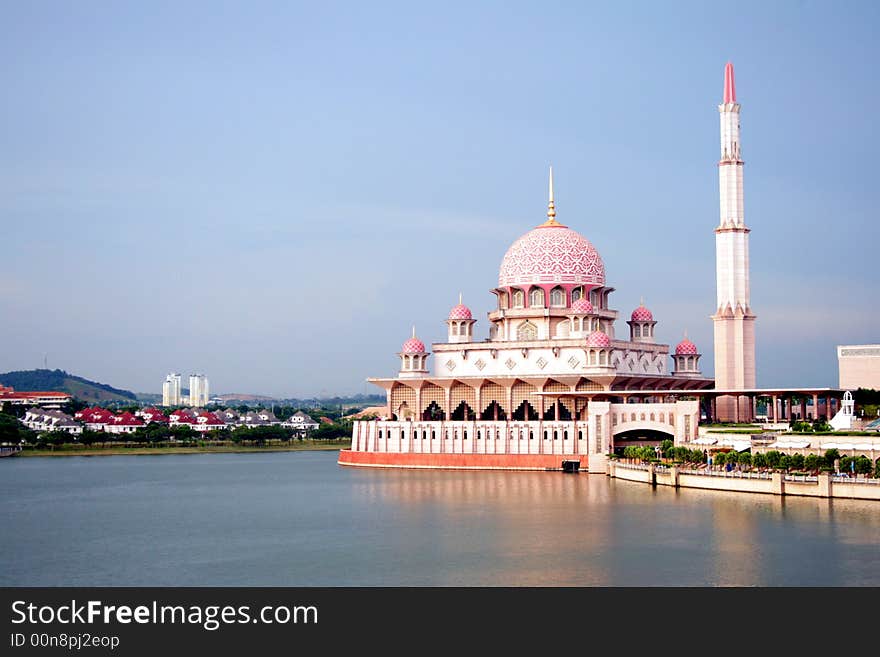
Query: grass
<point x="115" y="449"/>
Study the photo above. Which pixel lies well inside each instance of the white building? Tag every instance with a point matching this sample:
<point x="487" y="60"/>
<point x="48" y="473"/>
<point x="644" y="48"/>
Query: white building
<point x="198" y="390"/>
<point x="50" y="420"/>
<point x="171" y="390"/>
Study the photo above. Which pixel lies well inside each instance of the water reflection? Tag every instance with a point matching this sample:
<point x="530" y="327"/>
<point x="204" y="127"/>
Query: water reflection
<point x="299" y="519"/>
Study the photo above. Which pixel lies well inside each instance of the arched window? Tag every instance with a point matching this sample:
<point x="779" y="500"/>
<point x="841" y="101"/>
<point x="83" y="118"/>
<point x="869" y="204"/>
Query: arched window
<point x="546" y="436"/>
<point x="563" y="330"/>
<point x="557" y="297"/>
<point x="502" y="300"/>
<point x="519" y="299"/>
<point x="580" y="435"/>
<point x="555" y="435"/>
<point x="637" y="331"/>
<point x="526" y="331"/>
<point x="576" y="294"/>
<point x="536" y="298"/>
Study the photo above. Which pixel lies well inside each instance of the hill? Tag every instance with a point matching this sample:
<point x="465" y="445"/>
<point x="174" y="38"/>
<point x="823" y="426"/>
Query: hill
<point x="61" y="381"/>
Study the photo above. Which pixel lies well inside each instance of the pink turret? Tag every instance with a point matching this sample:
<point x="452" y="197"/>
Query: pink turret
<point x="729" y="85"/>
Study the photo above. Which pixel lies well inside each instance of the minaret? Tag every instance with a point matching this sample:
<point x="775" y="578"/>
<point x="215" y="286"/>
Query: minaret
<point x="733" y="318"/>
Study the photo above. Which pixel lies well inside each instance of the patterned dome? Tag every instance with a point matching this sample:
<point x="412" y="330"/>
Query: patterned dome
<point x="551" y="254"/>
<point x="582" y="307"/>
<point x="413" y="346"/>
<point x="598" y="339"/>
<point x="642" y="314"/>
<point x="460" y="311"/>
<point x="686" y="348"/>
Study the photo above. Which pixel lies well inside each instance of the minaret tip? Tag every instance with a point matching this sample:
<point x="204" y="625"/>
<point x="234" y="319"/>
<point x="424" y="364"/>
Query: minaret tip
<point x="729" y="85"/>
<point x="459" y="298"/>
<point x="414" y="330"/>
<point x="551" y="205"/>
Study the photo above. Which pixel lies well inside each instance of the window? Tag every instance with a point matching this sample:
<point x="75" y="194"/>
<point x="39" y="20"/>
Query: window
<point x="502" y="300"/>
<point x="519" y="299"/>
<point x="527" y="331"/>
<point x="637" y="331"/>
<point x="576" y="294"/>
<point x="557" y="297"/>
<point x="536" y="298"/>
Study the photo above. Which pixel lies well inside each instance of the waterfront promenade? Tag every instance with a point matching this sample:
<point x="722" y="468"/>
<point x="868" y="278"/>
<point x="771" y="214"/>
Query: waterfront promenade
<point x="771" y="483"/>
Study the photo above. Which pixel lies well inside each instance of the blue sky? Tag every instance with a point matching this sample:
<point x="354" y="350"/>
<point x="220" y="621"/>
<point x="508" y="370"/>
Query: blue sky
<point x="273" y="193"/>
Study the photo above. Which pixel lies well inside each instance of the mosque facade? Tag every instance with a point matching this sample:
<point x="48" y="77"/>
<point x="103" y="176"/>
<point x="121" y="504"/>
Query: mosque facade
<point x="555" y="384"/>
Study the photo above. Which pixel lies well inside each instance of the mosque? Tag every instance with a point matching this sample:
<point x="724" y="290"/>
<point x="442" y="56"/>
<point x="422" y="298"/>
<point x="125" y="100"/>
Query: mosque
<point x="554" y="385"/>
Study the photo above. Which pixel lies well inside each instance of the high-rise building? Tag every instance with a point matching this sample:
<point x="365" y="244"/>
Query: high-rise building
<point x="733" y="319"/>
<point x="859" y="366"/>
<point x="198" y="390"/>
<point x="171" y="390"/>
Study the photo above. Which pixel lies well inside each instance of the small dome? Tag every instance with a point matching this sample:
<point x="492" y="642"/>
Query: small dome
<point x="686" y="348"/>
<point x="460" y="311"/>
<point x="582" y="306"/>
<point x="413" y="346"/>
<point x="598" y="339"/>
<point x="642" y="314"/>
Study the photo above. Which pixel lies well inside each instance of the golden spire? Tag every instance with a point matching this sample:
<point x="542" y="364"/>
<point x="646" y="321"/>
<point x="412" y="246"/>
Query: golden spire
<point x="459" y="298"/>
<point x="414" y="330"/>
<point x="551" y="206"/>
<point x="641" y="302"/>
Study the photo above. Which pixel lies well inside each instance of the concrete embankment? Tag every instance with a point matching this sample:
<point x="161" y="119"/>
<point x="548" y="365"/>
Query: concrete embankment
<point x="776" y="483"/>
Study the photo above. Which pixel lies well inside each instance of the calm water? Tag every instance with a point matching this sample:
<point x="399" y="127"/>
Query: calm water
<point x="297" y="519"/>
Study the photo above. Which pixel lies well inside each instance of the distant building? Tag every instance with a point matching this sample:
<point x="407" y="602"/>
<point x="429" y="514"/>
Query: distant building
<point x="49" y="420"/>
<point x="859" y="366"/>
<point x="171" y="390"/>
<point x="301" y="422"/>
<point x="198" y="390"/>
<point x="46" y="398"/>
<point x="125" y="423"/>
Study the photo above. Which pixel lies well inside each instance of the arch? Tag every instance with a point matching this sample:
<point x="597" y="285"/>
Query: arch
<point x="577" y="293"/>
<point x="536" y="298"/>
<point x="463" y="413"/>
<point x="494" y="412"/>
<point x="405" y="412"/>
<point x="557" y="297"/>
<point x="432" y="412"/>
<point x="637" y="330"/>
<point x="525" y="412"/>
<point x="562" y="328"/>
<point x="526" y="331"/>
<point x="519" y="298"/>
<point x="502" y="300"/>
<point x="461" y="392"/>
<point x="433" y="394"/>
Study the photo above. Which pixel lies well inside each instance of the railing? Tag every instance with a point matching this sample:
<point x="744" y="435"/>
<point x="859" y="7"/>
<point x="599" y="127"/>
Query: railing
<point x="844" y="479"/>
<point x="810" y="479"/>
<point x="733" y="474"/>
<point x="631" y="466"/>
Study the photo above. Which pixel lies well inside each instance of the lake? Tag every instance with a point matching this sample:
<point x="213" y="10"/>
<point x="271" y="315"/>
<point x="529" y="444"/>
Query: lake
<point x="299" y="519"/>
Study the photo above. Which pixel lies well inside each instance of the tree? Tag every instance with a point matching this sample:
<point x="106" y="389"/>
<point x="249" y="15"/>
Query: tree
<point x="813" y="462"/>
<point x="863" y="465"/>
<point x="845" y="463"/>
<point x="759" y="460"/>
<point x="831" y="455"/>
<point x="720" y="458"/>
<point x="666" y="448"/>
<point x="797" y="461"/>
<point x="773" y="458"/>
<point x="785" y="461"/>
<point x="877" y="469"/>
<point x="745" y="458"/>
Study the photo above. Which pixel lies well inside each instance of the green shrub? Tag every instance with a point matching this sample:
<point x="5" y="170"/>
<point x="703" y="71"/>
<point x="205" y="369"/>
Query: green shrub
<point x="813" y="462"/>
<point x="759" y="460"/>
<point x="863" y="465"/>
<point x="745" y="458"/>
<point x="797" y="461"/>
<point x="772" y="457"/>
<point x="784" y="461"/>
<point x="831" y="456"/>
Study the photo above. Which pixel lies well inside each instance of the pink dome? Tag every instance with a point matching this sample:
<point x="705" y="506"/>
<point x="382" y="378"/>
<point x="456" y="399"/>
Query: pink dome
<point x="413" y="346"/>
<point x="642" y="314"/>
<point x="598" y="339"/>
<point x="460" y="311"/>
<point x="686" y="348"/>
<point x="582" y="306"/>
<point x="551" y="254"/>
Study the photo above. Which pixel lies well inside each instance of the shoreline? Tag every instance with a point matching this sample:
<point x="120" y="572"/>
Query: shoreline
<point x="118" y="450"/>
